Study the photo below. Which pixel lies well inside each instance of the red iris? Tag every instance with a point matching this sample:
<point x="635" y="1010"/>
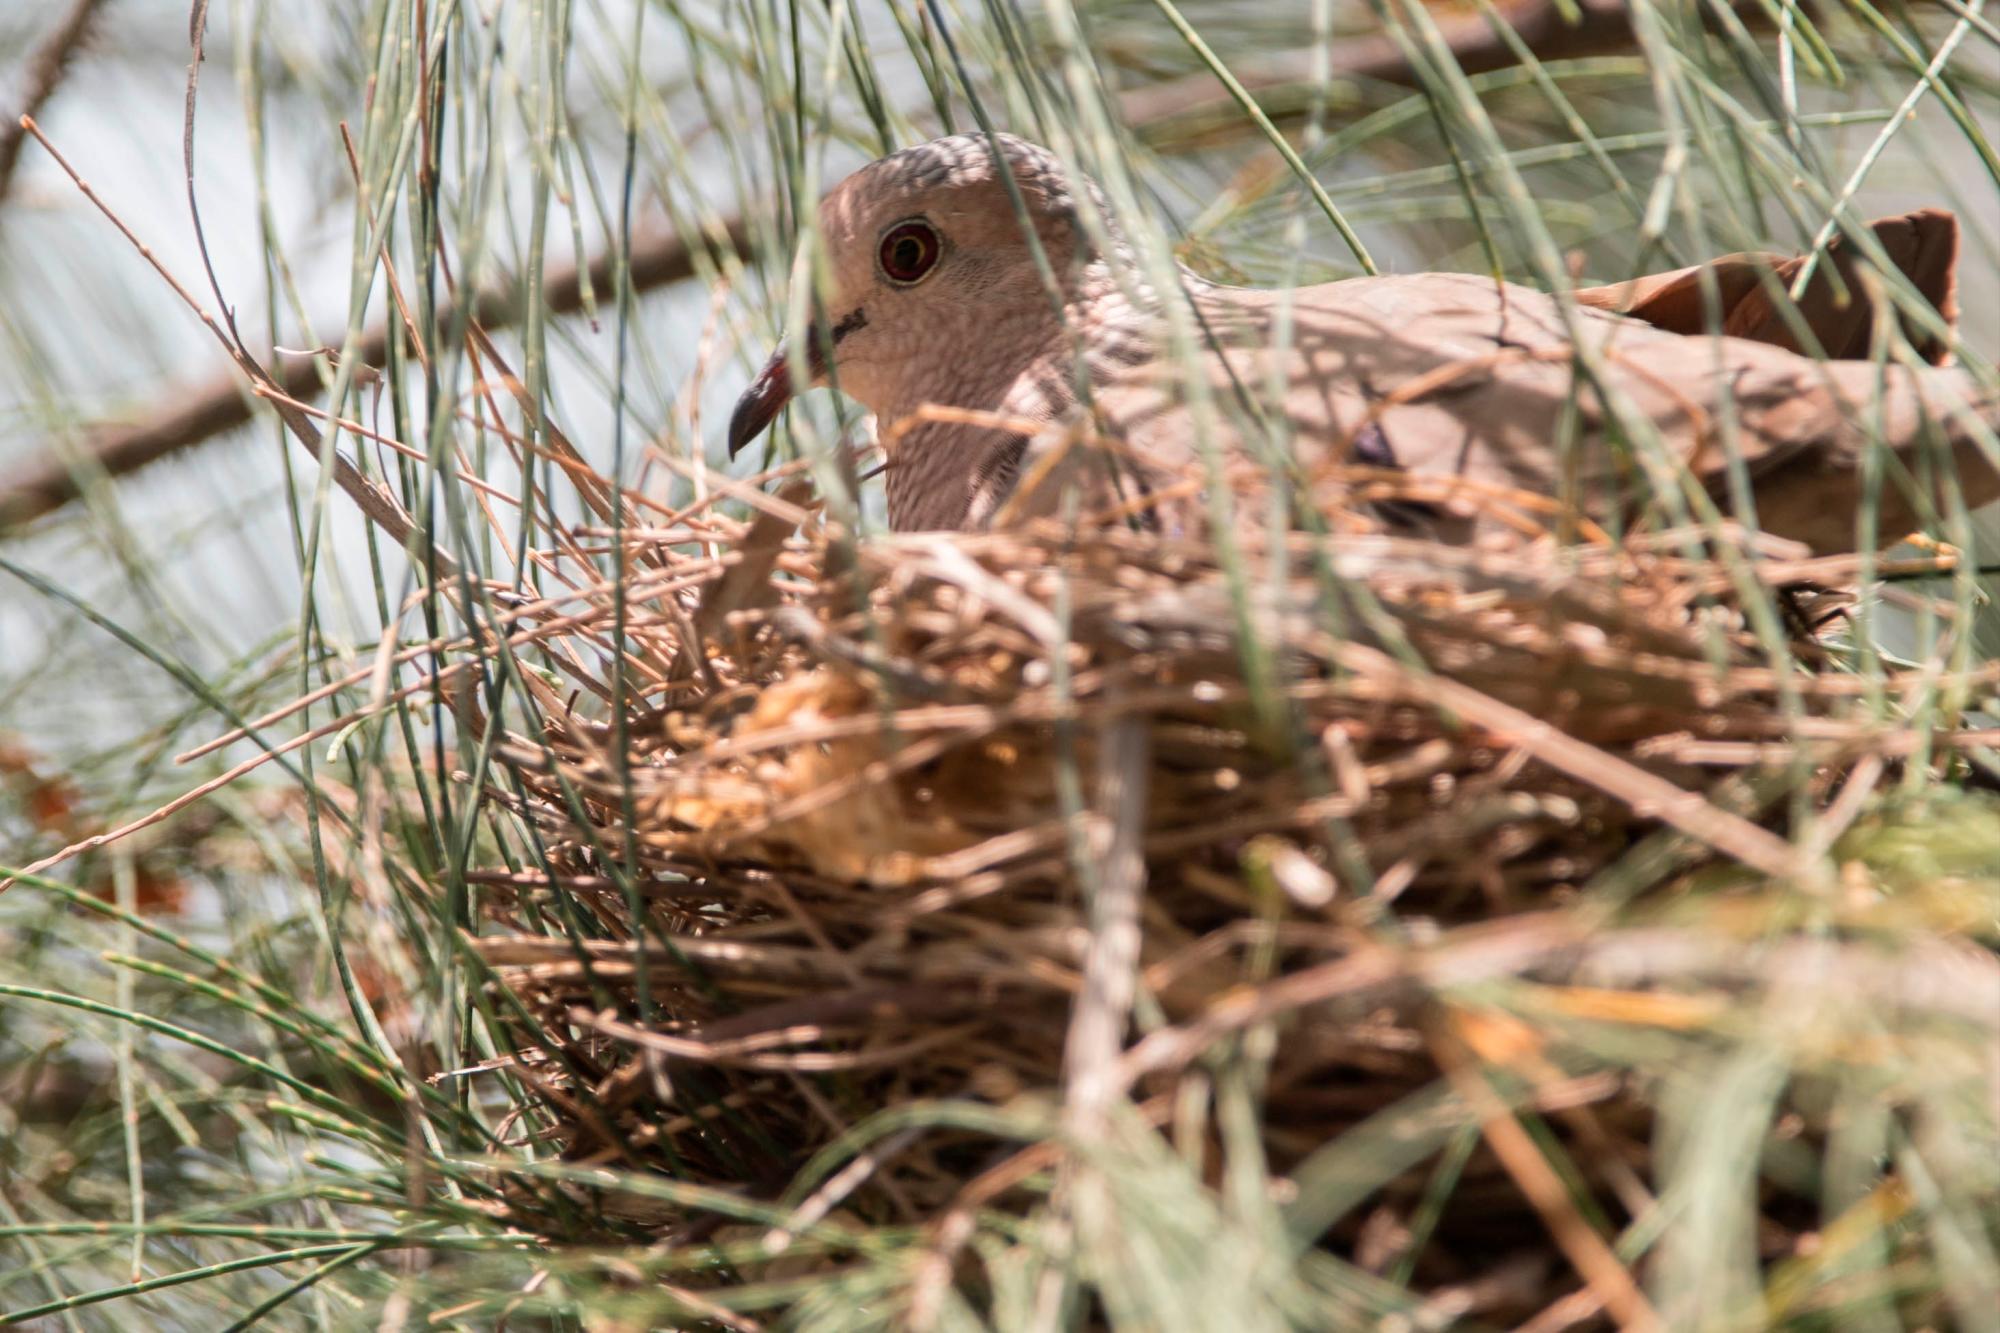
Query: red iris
<point x="910" y="250"/>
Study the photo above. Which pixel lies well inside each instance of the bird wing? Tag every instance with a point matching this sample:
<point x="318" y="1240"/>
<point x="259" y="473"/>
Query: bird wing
<point x="1484" y="387"/>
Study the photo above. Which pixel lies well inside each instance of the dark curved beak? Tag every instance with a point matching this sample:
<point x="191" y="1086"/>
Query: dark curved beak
<point x="761" y="402"/>
<point x="772" y="389"/>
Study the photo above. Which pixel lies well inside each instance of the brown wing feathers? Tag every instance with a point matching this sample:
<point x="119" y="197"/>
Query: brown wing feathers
<point x="1838" y="306"/>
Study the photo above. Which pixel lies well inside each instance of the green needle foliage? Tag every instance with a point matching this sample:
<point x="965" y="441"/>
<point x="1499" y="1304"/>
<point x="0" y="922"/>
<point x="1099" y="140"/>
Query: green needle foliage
<point x="438" y="1013"/>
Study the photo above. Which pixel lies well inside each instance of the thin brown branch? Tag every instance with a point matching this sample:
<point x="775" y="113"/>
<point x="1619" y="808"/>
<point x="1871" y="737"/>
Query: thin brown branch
<point x="370" y="497"/>
<point x="1606" y="1276"/>
<point x="49" y="481"/>
<point x="1601" y="27"/>
<point x="46" y="68"/>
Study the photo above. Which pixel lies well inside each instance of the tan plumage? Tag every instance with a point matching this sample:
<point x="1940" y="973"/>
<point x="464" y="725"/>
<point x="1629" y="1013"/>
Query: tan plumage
<point x="1472" y="386"/>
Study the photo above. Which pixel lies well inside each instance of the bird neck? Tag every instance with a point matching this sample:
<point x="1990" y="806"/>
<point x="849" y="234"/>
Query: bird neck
<point x="956" y="428"/>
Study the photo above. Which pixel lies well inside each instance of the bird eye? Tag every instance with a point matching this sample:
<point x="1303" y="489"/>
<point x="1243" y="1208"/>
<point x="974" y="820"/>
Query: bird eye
<point x="909" y="251"/>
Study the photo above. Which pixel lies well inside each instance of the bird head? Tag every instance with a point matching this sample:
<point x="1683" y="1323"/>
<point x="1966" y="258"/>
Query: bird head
<point x="925" y="256"/>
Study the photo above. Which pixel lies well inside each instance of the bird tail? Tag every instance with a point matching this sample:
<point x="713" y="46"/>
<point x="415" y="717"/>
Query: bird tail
<point x="1909" y="441"/>
<point x="1837" y="308"/>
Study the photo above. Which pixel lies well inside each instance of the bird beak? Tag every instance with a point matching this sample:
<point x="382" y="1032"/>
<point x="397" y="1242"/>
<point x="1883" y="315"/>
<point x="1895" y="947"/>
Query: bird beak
<point x="772" y="389"/>
<point x="761" y="402"/>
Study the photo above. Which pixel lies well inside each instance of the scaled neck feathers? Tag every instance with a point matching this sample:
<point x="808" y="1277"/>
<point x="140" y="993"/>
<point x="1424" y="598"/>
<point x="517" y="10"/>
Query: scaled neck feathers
<point x="960" y="432"/>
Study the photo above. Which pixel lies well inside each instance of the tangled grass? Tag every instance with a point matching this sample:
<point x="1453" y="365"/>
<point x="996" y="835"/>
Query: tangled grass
<point x="679" y="910"/>
<point x="1418" y="911"/>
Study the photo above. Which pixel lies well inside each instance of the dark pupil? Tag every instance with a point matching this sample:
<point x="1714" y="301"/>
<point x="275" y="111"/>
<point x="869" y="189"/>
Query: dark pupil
<point x="909" y="253"/>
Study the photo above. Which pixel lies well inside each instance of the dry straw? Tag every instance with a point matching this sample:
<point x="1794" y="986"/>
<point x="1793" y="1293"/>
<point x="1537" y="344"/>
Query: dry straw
<point x="1084" y="926"/>
<point x="1005" y="819"/>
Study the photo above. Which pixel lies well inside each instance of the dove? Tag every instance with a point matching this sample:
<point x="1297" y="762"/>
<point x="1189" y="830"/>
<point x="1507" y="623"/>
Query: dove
<point x="1011" y="365"/>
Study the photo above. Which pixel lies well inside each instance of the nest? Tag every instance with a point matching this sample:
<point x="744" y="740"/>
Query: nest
<point x="1067" y="826"/>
